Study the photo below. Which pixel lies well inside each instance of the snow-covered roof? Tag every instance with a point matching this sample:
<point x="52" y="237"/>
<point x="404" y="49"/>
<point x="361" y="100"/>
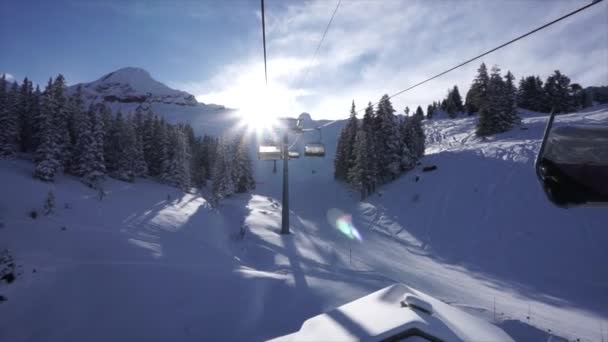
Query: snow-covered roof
<point x="382" y="314"/>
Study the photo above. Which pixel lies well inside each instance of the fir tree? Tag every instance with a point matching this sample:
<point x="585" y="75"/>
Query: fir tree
<point x="244" y="171"/>
<point x="344" y="154"/>
<point x="46" y="157"/>
<point x="127" y="150"/>
<point x="9" y="120"/>
<point x="477" y="94"/>
<point x="497" y="111"/>
<point x="531" y="95"/>
<point x="140" y="165"/>
<point x="388" y="147"/>
<point x="368" y="124"/>
<point x="178" y="173"/>
<point x="62" y="121"/>
<point x="510" y="102"/>
<point x="556" y="90"/>
<point x="429" y="111"/>
<point x="25" y="110"/>
<point x="360" y="176"/>
<point x="83" y="137"/>
<point x="419" y="112"/>
<point x="222" y="180"/>
<point x="96" y="171"/>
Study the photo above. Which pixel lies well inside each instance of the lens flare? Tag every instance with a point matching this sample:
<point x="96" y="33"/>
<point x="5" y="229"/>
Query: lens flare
<point x="343" y="223"/>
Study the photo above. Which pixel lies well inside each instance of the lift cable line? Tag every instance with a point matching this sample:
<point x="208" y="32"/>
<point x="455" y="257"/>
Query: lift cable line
<point x="595" y="2"/>
<point x="264" y="43"/>
<point x="314" y="56"/>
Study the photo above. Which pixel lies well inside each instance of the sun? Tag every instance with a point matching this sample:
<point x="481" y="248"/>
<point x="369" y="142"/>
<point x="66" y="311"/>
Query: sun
<point x="259" y="111"/>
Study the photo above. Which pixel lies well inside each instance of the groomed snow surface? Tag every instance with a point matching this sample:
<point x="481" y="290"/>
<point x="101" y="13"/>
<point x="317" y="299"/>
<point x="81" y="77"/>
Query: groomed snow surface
<point x="149" y="263"/>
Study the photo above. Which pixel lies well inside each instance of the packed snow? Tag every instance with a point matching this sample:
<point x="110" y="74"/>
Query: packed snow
<point x="149" y="262"/>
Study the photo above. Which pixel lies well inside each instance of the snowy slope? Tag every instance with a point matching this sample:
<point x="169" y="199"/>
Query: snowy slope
<point x="149" y="263"/>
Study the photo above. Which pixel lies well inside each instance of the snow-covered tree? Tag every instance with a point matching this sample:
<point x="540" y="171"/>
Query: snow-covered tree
<point x="531" y="94"/>
<point x="140" y="166"/>
<point x="221" y="178"/>
<point x="344" y="153"/>
<point x="510" y="102"/>
<point x="430" y="109"/>
<point x="476" y="96"/>
<point x="244" y="170"/>
<point x="127" y="152"/>
<point x="388" y="147"/>
<point x="9" y="119"/>
<point x="62" y="120"/>
<point x="498" y="113"/>
<point x="96" y="171"/>
<point x="178" y="171"/>
<point x="556" y="90"/>
<point x="26" y="111"/>
<point x="419" y="112"/>
<point x="83" y="136"/>
<point x="47" y="152"/>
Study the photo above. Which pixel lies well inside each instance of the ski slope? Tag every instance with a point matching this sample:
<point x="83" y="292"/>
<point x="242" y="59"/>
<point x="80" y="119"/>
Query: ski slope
<point x="149" y="263"/>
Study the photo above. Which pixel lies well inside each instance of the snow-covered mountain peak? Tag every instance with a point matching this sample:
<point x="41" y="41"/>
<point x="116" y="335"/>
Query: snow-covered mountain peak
<point x="134" y="85"/>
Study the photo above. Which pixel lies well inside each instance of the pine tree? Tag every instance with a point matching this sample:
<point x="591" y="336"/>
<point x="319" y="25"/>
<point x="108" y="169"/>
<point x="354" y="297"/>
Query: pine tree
<point x="576" y="95"/>
<point x="341" y="158"/>
<point x="244" y="170"/>
<point x="197" y="165"/>
<point x="82" y="131"/>
<point x="360" y="176"/>
<point x="531" y="94"/>
<point x="388" y="146"/>
<point x="494" y="116"/>
<point x="140" y="165"/>
<point x="368" y="124"/>
<point x="35" y="115"/>
<point x="429" y="111"/>
<point x="25" y="110"/>
<point x="9" y="120"/>
<point x="148" y="137"/>
<point x="510" y="101"/>
<point x="165" y="139"/>
<point x="178" y="172"/>
<point x="477" y="94"/>
<point x="419" y="112"/>
<point x="46" y="157"/>
<point x="96" y="171"/>
<point x="556" y="90"/>
<point x="222" y="180"/>
<point x="127" y="151"/>
<point x="62" y="121"/>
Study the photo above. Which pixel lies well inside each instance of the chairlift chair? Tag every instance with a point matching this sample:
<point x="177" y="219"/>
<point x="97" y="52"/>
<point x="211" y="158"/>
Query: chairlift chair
<point x="269" y="152"/>
<point x="294" y="154"/>
<point x="315" y="149"/>
<point x="572" y="164"/>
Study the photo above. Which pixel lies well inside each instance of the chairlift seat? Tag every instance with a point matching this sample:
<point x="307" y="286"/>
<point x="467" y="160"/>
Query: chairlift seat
<point x="314" y="150"/>
<point x="269" y="152"/>
<point x="573" y="166"/>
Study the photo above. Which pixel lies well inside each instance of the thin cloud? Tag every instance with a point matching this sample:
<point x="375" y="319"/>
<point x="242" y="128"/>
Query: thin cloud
<point x="374" y="48"/>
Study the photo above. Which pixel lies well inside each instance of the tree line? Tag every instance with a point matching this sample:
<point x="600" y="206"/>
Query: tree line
<point x="91" y="142"/>
<point x="378" y="148"/>
<point x="496" y="98"/>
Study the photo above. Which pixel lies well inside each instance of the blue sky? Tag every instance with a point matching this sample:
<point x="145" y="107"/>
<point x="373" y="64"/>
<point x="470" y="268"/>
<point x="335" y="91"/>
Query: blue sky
<point x="212" y="48"/>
